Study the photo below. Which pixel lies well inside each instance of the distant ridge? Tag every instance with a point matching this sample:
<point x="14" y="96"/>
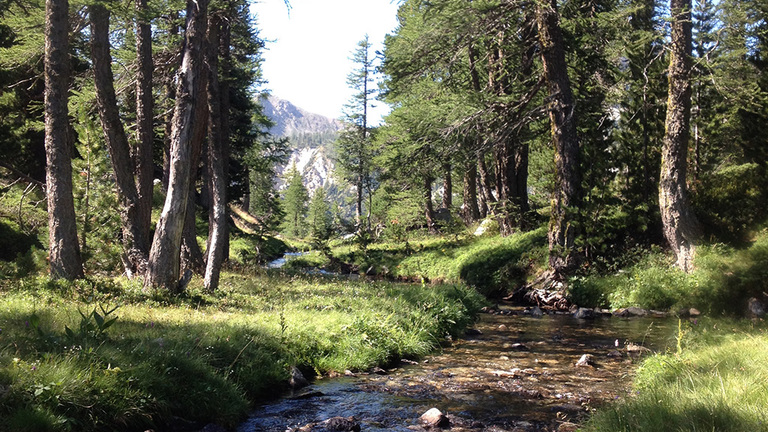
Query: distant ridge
<point x="291" y="120"/>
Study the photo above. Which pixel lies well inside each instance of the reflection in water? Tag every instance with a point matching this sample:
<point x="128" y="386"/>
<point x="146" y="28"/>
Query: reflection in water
<point x="517" y="373"/>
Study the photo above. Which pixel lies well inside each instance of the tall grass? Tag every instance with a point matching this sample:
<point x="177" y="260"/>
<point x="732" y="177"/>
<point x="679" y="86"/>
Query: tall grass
<point x="719" y="383"/>
<point x="200" y="357"/>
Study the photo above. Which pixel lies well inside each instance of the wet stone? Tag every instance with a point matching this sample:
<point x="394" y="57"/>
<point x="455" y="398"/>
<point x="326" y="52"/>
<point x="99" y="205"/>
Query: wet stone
<point x="434" y="418"/>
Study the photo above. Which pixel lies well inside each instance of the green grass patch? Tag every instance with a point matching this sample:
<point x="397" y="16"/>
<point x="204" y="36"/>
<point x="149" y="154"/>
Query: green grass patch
<point x="199" y="357"/>
<point x="717" y="383"/>
<point x="492" y="264"/>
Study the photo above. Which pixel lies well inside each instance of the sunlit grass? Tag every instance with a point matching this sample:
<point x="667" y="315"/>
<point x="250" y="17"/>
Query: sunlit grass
<point x="201" y="357"/>
<point x="719" y="383"/>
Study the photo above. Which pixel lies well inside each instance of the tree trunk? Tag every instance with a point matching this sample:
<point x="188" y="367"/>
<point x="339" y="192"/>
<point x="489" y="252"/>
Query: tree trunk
<point x="470" y="212"/>
<point x="520" y="192"/>
<point x="64" y="250"/>
<point x="163" y="268"/>
<point x="134" y="242"/>
<point x="225" y="55"/>
<point x="681" y="227"/>
<point x="447" y="187"/>
<point x="567" y="193"/>
<point x="217" y="215"/>
<point x="142" y="155"/>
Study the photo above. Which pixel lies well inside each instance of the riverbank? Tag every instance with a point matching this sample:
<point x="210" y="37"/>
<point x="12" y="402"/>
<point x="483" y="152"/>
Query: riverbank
<point x="715" y="381"/>
<point x="184" y="362"/>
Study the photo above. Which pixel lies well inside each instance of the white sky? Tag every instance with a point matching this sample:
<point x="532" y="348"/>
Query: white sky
<point x="307" y="60"/>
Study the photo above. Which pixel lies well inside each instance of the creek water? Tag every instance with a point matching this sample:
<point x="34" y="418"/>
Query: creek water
<point x="511" y="372"/>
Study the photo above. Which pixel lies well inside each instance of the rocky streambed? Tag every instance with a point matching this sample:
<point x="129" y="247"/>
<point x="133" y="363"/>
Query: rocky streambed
<point x="513" y="371"/>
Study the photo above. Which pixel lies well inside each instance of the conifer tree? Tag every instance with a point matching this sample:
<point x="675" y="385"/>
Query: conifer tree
<point x="295" y="200"/>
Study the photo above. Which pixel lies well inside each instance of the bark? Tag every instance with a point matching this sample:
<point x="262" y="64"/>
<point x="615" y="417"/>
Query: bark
<point x="64" y="251"/>
<point x="487" y="200"/>
<point x="144" y="165"/>
<point x="225" y="55"/>
<point x="192" y="257"/>
<point x="134" y="226"/>
<point x="163" y="269"/>
<point x="170" y="97"/>
<point x="681" y="228"/>
<point x="470" y="212"/>
<point x="567" y="194"/>
<point x="217" y="215"/>
<point x="447" y="187"/>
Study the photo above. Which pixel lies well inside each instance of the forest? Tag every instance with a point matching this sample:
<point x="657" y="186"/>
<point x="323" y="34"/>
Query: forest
<point x="541" y="159"/>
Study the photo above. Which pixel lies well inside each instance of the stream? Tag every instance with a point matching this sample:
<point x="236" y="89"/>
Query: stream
<point x="511" y="372"/>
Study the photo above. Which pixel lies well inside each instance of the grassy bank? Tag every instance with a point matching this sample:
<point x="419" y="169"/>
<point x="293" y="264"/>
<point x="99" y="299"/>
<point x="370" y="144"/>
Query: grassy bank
<point x="489" y="263"/>
<point x="200" y="358"/>
<point x="717" y="382"/>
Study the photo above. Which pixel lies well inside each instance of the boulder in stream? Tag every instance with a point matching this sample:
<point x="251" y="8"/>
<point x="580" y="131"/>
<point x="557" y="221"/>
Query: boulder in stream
<point x="341" y="424"/>
<point x="585" y="361"/>
<point x="434" y="418"/>
<point x="297" y="380"/>
<point x="585" y="313"/>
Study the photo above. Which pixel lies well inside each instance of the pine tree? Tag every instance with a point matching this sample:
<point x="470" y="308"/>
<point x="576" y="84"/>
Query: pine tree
<point x="319" y="217"/>
<point x="295" y="199"/>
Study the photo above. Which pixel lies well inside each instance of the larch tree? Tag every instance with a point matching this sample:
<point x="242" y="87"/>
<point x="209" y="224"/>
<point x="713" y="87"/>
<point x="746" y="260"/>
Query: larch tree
<point x="217" y="213"/>
<point x="681" y="228"/>
<point x="135" y="230"/>
<point x="164" y="258"/>
<point x="353" y="146"/>
<point x="563" y="225"/>
<point x="64" y="252"/>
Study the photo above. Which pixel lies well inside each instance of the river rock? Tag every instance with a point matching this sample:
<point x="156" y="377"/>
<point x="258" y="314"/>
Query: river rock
<point x="585" y="313"/>
<point x="434" y="418"/>
<point x="341" y="424"/>
<point x="536" y="312"/>
<point x="756" y="307"/>
<point x="631" y="311"/>
<point x="585" y="361"/>
<point x="297" y="380"/>
<point x="472" y="332"/>
<point x="636" y="350"/>
<point x="502" y="327"/>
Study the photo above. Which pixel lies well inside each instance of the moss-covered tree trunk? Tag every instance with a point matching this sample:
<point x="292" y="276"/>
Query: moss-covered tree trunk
<point x="567" y="192"/>
<point x="64" y="251"/>
<point x="680" y="225"/>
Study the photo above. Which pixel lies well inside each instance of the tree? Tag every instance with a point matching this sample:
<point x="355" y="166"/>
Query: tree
<point x="681" y="228"/>
<point x="217" y="213"/>
<point x="319" y="217"/>
<point x="353" y="146"/>
<point x="64" y="251"/>
<point x="295" y="200"/>
<point x="563" y="225"/>
<point x="135" y="223"/>
<point x="164" y="258"/>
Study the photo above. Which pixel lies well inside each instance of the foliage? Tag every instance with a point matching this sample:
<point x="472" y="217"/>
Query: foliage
<point x="295" y="199"/>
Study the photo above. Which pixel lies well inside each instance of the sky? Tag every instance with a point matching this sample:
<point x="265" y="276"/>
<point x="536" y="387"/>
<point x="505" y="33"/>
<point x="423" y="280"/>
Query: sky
<point x="308" y="48"/>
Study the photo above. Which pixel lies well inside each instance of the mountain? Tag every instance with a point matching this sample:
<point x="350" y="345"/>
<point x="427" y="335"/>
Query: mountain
<point x="311" y="138"/>
<point x="291" y="120"/>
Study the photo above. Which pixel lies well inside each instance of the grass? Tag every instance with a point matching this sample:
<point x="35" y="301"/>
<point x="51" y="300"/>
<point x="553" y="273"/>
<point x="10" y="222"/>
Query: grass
<point x="491" y="264"/>
<point x="200" y="357"/>
<point x="717" y="383"/>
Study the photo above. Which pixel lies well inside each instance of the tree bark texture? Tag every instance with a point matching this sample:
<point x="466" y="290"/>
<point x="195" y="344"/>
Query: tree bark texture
<point x="142" y="154"/>
<point x="64" y="250"/>
<point x="163" y="268"/>
<point x="487" y="200"/>
<point x="680" y="225"/>
<point x="217" y="214"/>
<point x="225" y="69"/>
<point x="135" y="245"/>
<point x="567" y="194"/>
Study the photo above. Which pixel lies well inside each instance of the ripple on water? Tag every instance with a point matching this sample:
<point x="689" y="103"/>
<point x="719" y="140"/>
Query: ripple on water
<point x="488" y="382"/>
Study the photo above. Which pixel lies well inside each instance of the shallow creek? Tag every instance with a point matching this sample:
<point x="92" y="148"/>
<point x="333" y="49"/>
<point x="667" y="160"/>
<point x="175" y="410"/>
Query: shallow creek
<point x="511" y="372"/>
